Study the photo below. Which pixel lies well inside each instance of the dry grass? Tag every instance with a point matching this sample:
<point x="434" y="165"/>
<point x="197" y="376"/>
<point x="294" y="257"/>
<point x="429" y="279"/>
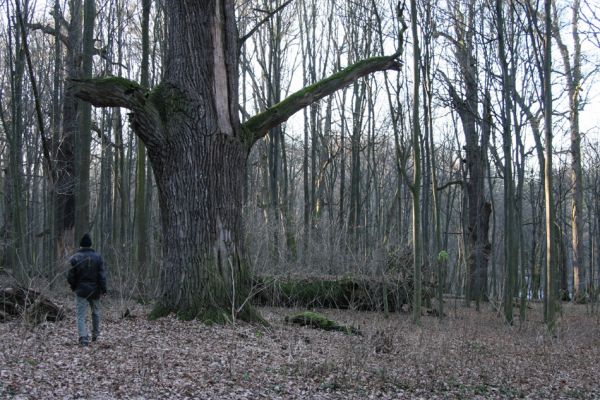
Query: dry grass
<point x="468" y="355"/>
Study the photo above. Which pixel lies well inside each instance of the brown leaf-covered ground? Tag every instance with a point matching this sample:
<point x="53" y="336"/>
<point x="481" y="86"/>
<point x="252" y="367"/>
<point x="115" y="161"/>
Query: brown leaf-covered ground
<point x="469" y="355"/>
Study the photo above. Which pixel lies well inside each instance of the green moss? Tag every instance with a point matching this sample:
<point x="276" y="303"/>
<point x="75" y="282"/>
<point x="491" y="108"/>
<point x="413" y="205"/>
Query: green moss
<point x="365" y="293"/>
<point x="207" y="315"/>
<point x="319" y="321"/>
<point x="167" y="100"/>
<point x="346" y="292"/>
<point x="118" y="81"/>
<point x="215" y="315"/>
<point x="212" y="303"/>
<point x="187" y="314"/>
<point x="316" y="292"/>
<point x="159" y="311"/>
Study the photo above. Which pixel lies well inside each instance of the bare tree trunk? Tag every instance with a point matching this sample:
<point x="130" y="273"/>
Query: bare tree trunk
<point x="417" y="237"/>
<point x="438" y="255"/>
<point x="307" y="59"/>
<point x="479" y="210"/>
<point x="573" y="75"/>
<point x="141" y="208"/>
<point x="551" y="281"/>
<point x="15" y="216"/>
<point x="510" y="229"/>
<point x="56" y="130"/>
<point x="354" y="209"/>
<point x="82" y="151"/>
<point x="65" y="151"/>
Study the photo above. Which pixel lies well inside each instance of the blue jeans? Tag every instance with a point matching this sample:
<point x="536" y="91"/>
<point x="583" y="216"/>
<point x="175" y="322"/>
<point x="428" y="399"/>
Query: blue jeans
<point x="82" y="310"/>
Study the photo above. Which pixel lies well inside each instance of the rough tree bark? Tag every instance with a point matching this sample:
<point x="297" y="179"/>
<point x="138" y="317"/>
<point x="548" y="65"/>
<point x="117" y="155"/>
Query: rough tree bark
<point x="64" y="201"/>
<point x="84" y="134"/>
<point x="197" y="148"/>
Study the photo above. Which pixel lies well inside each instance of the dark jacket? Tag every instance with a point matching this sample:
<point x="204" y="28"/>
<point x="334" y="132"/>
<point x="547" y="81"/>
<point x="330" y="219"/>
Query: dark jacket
<point x="87" y="276"/>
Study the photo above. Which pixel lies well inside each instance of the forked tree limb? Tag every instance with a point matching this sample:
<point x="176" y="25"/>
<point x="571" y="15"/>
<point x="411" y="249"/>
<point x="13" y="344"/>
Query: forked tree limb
<point x="262" y="22"/>
<point x="111" y="91"/>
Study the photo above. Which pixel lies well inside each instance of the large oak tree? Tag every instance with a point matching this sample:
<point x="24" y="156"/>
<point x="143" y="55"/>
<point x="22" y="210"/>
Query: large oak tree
<point x="198" y="148"/>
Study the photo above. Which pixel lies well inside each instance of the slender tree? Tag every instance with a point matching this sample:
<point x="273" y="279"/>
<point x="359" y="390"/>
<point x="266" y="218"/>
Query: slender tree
<point x="573" y="76"/>
<point x="15" y="216"/>
<point x="141" y="208"/>
<point x="415" y="188"/>
<point x="551" y="281"/>
<point x="510" y="231"/>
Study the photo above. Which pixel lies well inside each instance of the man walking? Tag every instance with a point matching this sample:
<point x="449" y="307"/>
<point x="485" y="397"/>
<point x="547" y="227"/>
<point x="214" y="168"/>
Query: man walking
<point x="87" y="279"/>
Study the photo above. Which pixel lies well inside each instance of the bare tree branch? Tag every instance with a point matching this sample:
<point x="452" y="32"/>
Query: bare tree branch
<point x="50" y="31"/>
<point x="36" y="95"/>
<point x="262" y="22"/>
<point x="449" y="38"/>
<point x="451" y="89"/>
<point x="448" y="184"/>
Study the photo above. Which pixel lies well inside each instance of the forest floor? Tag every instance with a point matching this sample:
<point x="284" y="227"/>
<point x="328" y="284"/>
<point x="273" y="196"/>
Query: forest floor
<point x="468" y="355"/>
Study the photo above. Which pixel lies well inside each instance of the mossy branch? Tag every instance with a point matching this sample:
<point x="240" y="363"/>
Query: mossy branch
<point x="110" y="91"/>
<point x="260" y="124"/>
<point x="114" y="91"/>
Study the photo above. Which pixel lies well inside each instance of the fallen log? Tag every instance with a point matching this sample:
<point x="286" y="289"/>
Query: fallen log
<point x="18" y="301"/>
<point x="350" y="292"/>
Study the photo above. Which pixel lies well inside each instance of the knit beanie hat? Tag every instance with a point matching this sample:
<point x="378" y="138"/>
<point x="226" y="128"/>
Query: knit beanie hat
<point x="86" y="241"/>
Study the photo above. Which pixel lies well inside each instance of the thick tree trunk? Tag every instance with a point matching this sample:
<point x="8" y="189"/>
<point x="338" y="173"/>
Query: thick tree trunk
<point x="64" y="201"/>
<point x="199" y="164"/>
<point x="84" y="133"/>
<point x="198" y="150"/>
<point x="200" y="195"/>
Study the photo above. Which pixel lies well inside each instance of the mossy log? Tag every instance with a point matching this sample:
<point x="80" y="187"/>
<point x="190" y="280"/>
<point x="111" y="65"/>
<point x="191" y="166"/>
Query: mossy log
<point x="352" y="292"/>
<point x="319" y="321"/>
<point x="18" y="302"/>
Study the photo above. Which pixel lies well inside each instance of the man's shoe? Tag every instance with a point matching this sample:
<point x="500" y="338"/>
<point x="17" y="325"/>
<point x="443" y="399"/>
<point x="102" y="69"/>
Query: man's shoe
<point x="94" y="338"/>
<point x="83" y="341"/>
